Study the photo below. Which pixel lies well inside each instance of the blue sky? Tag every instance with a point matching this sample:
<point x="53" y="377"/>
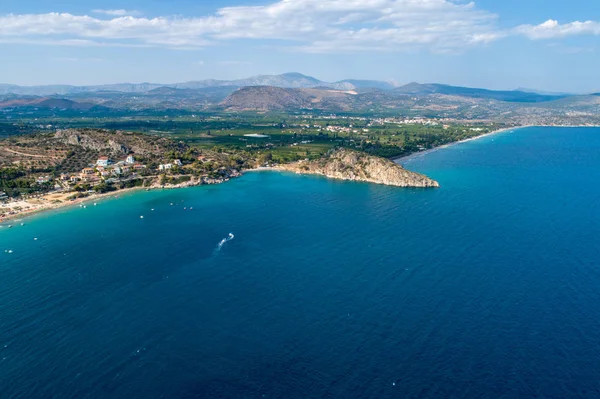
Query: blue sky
<point x="549" y="45"/>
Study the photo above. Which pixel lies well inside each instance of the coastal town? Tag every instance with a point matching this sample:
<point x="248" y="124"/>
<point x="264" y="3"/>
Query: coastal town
<point x="160" y="164"/>
<point x="105" y="169"/>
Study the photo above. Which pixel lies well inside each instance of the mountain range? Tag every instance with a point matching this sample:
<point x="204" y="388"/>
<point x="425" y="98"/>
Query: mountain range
<point x="292" y="80"/>
<point x="294" y="92"/>
<point x="286" y="80"/>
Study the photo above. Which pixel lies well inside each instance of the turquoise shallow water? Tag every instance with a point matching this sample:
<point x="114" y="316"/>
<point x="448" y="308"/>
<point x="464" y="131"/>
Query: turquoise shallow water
<point x="488" y="287"/>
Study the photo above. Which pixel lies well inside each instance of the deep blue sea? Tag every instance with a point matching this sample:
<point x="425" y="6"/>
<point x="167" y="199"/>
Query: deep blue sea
<point x="488" y="287"/>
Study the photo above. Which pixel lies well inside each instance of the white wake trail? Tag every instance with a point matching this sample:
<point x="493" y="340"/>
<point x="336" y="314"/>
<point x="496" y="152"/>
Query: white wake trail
<point x="224" y="241"/>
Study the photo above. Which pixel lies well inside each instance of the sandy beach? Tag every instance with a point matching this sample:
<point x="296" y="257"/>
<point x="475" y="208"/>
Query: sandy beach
<point x="15" y="210"/>
<point x="403" y="159"/>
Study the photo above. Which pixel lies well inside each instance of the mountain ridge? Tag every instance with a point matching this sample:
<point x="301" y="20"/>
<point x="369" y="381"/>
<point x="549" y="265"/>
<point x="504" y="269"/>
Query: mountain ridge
<point x="286" y="80"/>
<point x="291" y="80"/>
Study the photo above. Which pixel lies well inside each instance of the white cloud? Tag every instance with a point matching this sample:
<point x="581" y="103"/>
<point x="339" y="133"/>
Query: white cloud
<point x="117" y="13"/>
<point x="552" y="29"/>
<point x="307" y="25"/>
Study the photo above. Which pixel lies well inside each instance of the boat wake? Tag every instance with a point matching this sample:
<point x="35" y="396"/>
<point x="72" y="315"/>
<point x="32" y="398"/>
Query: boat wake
<point x="224" y="241"/>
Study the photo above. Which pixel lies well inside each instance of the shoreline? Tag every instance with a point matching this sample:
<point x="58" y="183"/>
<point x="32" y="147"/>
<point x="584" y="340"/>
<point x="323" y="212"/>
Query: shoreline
<point x="56" y="206"/>
<point x="405" y="158"/>
<point x="409" y="157"/>
<point x="95" y="197"/>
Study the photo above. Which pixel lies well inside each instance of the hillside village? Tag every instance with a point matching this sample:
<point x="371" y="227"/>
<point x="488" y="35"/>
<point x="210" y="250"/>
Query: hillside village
<point x="104" y="169"/>
<point x="66" y="166"/>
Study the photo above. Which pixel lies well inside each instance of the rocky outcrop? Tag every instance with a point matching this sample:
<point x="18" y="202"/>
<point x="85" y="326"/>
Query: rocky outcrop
<point x="225" y="176"/>
<point x="116" y="143"/>
<point x="356" y="166"/>
<point x="87" y="141"/>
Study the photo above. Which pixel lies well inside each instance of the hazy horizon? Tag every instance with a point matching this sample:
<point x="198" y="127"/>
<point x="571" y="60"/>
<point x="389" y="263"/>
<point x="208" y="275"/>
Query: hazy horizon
<point x="396" y="83"/>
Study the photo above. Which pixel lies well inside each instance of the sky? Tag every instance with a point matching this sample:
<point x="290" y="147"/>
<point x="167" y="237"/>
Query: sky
<point x="549" y="45"/>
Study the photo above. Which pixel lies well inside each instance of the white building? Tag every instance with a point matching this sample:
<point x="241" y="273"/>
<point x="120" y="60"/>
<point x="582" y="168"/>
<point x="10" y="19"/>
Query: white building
<point x="166" y="166"/>
<point x="130" y="159"/>
<point x="177" y="162"/>
<point x="103" y="161"/>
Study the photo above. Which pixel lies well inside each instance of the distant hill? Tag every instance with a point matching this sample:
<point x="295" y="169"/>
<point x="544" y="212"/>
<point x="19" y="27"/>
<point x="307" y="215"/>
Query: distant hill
<point x="44" y="102"/>
<point x="287" y="80"/>
<point x="353" y="84"/>
<point x="508" y="96"/>
<point x="266" y="98"/>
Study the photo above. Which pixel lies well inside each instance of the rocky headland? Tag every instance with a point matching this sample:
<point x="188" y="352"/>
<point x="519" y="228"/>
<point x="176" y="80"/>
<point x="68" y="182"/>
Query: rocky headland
<point x="351" y="165"/>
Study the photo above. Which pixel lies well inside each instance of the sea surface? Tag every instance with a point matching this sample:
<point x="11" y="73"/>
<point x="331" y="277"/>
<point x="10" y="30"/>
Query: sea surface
<point x="488" y="287"/>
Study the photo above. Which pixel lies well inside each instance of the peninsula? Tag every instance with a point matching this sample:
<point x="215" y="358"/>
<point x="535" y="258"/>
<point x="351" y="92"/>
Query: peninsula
<point x="345" y="164"/>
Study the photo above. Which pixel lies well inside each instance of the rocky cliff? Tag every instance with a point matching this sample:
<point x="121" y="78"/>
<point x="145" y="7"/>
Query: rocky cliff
<point x="356" y="166"/>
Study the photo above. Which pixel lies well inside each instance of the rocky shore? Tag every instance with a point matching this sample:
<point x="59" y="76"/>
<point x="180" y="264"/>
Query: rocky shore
<point x="351" y="165"/>
<point x="199" y="181"/>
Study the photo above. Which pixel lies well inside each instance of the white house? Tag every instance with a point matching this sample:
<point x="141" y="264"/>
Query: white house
<point x="103" y="161"/>
<point x="130" y="159"/>
<point x="177" y="162"/>
<point x="166" y="166"/>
